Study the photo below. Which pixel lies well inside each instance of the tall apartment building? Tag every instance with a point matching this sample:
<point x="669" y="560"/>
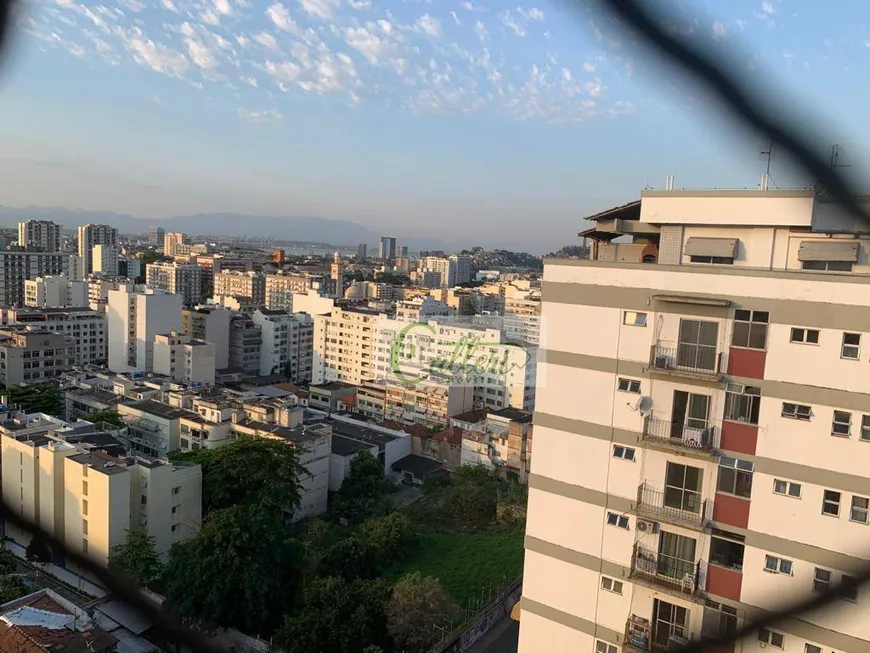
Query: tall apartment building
<point x="452" y="270"/>
<point x="42" y="235"/>
<point x="173" y="243"/>
<point x="210" y="324"/>
<point x="105" y="260"/>
<point x="387" y="249"/>
<point x="241" y="284"/>
<point x="55" y="292"/>
<point x="280" y="288"/>
<point x="99" y="287"/>
<point x="86" y="327"/>
<point x="522" y="319"/>
<point x="287" y="342"/>
<point x="361" y="252"/>
<point x="246" y="340"/>
<point x="701" y="425"/>
<point x="212" y="264"/>
<point x="178" y="278"/>
<point x="18" y="267"/>
<point x="184" y="359"/>
<point x="344" y="346"/>
<point x="33" y="355"/>
<point x="156" y="235"/>
<point x="134" y="315"/>
<point x="94" y="234"/>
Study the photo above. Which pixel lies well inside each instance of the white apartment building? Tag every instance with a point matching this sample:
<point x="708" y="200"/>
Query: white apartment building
<point x="104" y="260"/>
<point x="522" y="319"/>
<point x="94" y="234"/>
<point x="55" y="292"/>
<point x="280" y="288"/>
<point x="174" y="243"/>
<point x="422" y="309"/>
<point x="98" y="290"/>
<point x="701" y="425"/>
<point x="501" y="373"/>
<point x="451" y="270"/>
<point x="84" y="326"/>
<point x="287" y="344"/>
<point x="428" y="403"/>
<point x="184" y="359"/>
<point x="32" y="354"/>
<point x="44" y="235"/>
<point x="344" y="346"/>
<point x="18" y="267"/>
<point x="241" y="284"/>
<point x="134" y="315"/>
<point x="210" y="324"/>
<point x="208" y="425"/>
<point x="178" y="278"/>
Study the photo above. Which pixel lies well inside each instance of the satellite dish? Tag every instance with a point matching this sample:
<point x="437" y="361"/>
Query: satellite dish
<point x="644" y="405"/>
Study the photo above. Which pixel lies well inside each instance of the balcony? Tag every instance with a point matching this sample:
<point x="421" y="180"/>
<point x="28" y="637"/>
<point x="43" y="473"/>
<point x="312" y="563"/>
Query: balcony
<point x="680" y="576"/>
<point x="638" y="634"/>
<point x="687" y="360"/>
<point x="675" y="506"/>
<point x="681" y="435"/>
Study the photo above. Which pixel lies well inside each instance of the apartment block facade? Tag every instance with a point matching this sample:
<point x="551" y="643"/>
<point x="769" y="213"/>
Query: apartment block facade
<point x="42" y="235"/>
<point x="280" y="288"/>
<point x="701" y="425"/>
<point x="33" y="355"/>
<point x="84" y="326"/>
<point x="55" y="292"/>
<point x="18" y="267"/>
<point x="344" y="346"/>
<point x="94" y="234"/>
<point x="134" y="315"/>
<point x="184" y="359"/>
<point x="177" y="278"/>
<point x="210" y="324"/>
<point x="241" y="284"/>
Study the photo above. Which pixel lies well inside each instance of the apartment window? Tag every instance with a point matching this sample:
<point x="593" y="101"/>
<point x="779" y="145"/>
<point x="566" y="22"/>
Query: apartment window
<point x="683" y="487"/>
<point x="849" y="588"/>
<point x="827" y="266"/>
<point x="84" y="547"/>
<point x="750" y="329"/>
<point x="176" y="490"/>
<point x="778" y="565"/>
<point x="865" y="427"/>
<point x="143" y="500"/>
<point x="831" y="503"/>
<point x="860" y="511"/>
<point x="742" y="403"/>
<point x="174" y="526"/>
<point x="615" y="519"/>
<point x="611" y="585"/>
<point x="714" y="260"/>
<point x="726" y="550"/>
<point x="796" y="411"/>
<point x="604" y="647"/>
<point x="626" y="453"/>
<point x="771" y="637"/>
<point x="842" y="424"/>
<point x="787" y="488"/>
<point x="632" y="318"/>
<point x="851" y="346"/>
<point x="696" y="345"/>
<point x="812" y="648"/>
<point x="84" y="507"/>
<point x="805" y="336"/>
<point x="629" y="385"/>
<point x="735" y="476"/>
<point x="85" y="488"/>
<point x="821" y="580"/>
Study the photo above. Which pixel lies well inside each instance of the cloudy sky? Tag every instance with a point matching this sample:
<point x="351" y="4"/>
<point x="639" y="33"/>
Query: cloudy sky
<point x="495" y="122"/>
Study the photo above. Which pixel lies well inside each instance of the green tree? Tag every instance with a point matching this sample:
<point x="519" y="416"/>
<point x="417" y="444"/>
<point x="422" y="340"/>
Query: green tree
<point x="250" y="471"/>
<point x="392" y="536"/>
<point x="363" y="493"/>
<point x="8" y="561"/>
<point x="350" y="558"/>
<point x="38" y="549"/>
<point x="242" y="570"/>
<point x="11" y="588"/>
<point x="472" y="499"/>
<point x="107" y="416"/>
<point x="136" y="557"/>
<point x="417" y="605"/>
<point x="378" y="544"/>
<point x="36" y="398"/>
<point x="338" y="616"/>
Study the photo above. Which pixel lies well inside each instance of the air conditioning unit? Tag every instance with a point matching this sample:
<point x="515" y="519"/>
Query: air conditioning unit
<point x="736" y="388"/>
<point x="651" y="527"/>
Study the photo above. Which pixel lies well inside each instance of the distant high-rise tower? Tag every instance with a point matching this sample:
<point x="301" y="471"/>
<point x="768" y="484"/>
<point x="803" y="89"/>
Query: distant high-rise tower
<point x="94" y="234"/>
<point x="155" y="235"/>
<point x="172" y="242"/>
<point x="42" y="235"/>
<point x="387" y="250"/>
<point x="337" y="274"/>
<point x="361" y="252"/>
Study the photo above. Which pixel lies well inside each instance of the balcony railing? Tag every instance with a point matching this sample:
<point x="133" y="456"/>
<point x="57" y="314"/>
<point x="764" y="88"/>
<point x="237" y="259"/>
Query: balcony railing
<point x="674" y="505"/>
<point x="693" y="360"/>
<point x="638" y="634"/>
<point x="681" y="434"/>
<point x="675" y="574"/>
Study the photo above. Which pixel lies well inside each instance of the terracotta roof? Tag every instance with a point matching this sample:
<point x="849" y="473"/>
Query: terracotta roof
<point x="348" y="401"/>
<point x="452" y="435"/>
<point x="294" y="389"/>
<point x="417" y="430"/>
<point x="472" y="416"/>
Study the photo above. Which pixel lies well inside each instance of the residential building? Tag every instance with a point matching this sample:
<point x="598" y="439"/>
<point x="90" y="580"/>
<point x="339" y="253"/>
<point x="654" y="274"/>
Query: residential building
<point x="700" y="426"/>
<point x="387" y="249"/>
<point x="329" y="397"/>
<point x="94" y="234"/>
<point x="427" y="403"/>
<point x="156" y="236"/>
<point x="452" y="270"/>
<point x="86" y="328"/>
<point x="184" y="359"/>
<point x="18" y="267"/>
<point x="522" y="319"/>
<point x="55" y="292"/>
<point x="336" y="273"/>
<point x="286" y="343"/>
<point x="361" y="252"/>
<point x="134" y="315"/>
<point x="344" y="343"/>
<point x="502" y="441"/>
<point x="212" y="264"/>
<point x="244" y="284"/>
<point x="371" y="399"/>
<point x="105" y="260"/>
<point x="422" y="309"/>
<point x="129" y="267"/>
<point x="312" y="303"/>
<point x="98" y="290"/>
<point x="280" y="288"/>
<point x="178" y="278"/>
<point x="74" y="267"/>
<point x="208" y="426"/>
<point x="174" y="243"/>
<point x="153" y="428"/>
<point x="210" y="324"/>
<point x="463" y="268"/>
<point x="40" y="235"/>
<point x="246" y="341"/>
<point x="32" y="355"/>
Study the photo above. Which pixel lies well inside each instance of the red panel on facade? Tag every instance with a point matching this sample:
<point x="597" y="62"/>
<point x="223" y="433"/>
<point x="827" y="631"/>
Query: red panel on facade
<point x="746" y="362"/>
<point x="731" y="510"/>
<point x="724" y="582"/>
<point x="739" y="437"/>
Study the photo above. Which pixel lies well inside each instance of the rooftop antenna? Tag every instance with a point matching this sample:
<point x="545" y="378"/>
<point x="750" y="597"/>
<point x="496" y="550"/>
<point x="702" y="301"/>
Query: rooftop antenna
<point x="767" y="155"/>
<point x="836" y="161"/>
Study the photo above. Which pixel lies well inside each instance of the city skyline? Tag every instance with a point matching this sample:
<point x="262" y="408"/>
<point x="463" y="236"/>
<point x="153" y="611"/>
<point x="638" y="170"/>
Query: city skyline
<point x="457" y="121"/>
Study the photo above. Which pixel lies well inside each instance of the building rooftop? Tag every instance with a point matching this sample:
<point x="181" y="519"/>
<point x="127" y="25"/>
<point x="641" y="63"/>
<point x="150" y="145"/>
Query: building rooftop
<point x="472" y="416"/>
<point x="342" y="446"/>
<point x="103" y="463"/>
<point x="296" y="435"/>
<point x="417" y="465"/>
<point x="332" y="386"/>
<point x="162" y="410"/>
<point x="513" y="414"/>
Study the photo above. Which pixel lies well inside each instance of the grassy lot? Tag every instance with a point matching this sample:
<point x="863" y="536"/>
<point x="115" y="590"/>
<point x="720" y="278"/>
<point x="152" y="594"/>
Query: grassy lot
<point x="467" y="563"/>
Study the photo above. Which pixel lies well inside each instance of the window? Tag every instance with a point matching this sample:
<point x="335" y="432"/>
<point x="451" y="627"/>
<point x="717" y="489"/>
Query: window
<point x="831" y="503"/>
<point x="634" y="319"/>
<point x="805" y="336"/>
<point x="851" y="346"/>
<point x="827" y="266"/>
<point x="143" y="500"/>
<point x="611" y="585"/>
<point x="860" y="510"/>
<point x="84" y="506"/>
<point x="750" y="329"/>
<point x="696" y="345"/>
<point x="812" y="648"/>
<point x="787" y="488"/>
<point x="626" y="453"/>
<point x="683" y="488"/>
<point x="614" y="519"/>
<point x="176" y="490"/>
<point x="735" y="477"/>
<point x="742" y="403"/>
<point x="629" y="385"/>
<point x="85" y="488"/>
<point x="715" y="260"/>
<point x="778" y="565"/>
<point x="84" y="547"/>
<point x="604" y="647"/>
<point x="770" y="637"/>
<point x="842" y="424"/>
<point x="84" y="526"/>
<point x="796" y="411"/>
<point x="849" y="588"/>
<point x="865" y="427"/>
<point x="728" y="552"/>
<point x="821" y="580"/>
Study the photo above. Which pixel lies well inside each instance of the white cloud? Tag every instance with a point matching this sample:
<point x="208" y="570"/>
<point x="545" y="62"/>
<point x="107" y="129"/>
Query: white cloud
<point x="428" y="25"/>
<point x="508" y="21"/>
<point x="280" y="17"/>
<point x="223" y="7"/>
<point x="455" y="18"/>
<point x="169" y="5"/>
<point x="360" y="4"/>
<point x="767" y="7"/>
<point x="719" y="29"/>
<point x="566" y="75"/>
<point x="589" y="67"/>
<point x="480" y="30"/>
<point x="323" y="9"/>
<point x="255" y="117"/>
<point x="201" y="55"/>
<point x="375" y="50"/>
<point x="267" y="40"/>
<point x="532" y="14"/>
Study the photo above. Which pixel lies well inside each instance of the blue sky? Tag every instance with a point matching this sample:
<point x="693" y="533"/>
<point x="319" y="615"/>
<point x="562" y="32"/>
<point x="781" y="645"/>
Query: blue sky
<point x="495" y="123"/>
